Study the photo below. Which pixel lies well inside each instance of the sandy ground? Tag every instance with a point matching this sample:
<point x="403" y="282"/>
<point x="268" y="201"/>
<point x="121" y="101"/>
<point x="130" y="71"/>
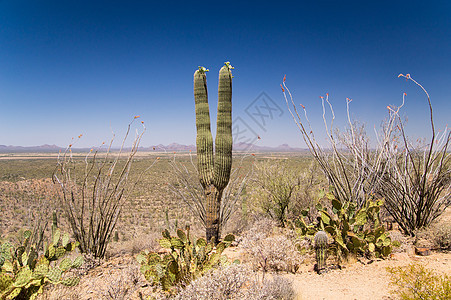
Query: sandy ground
<point x="118" y="277"/>
<point x="355" y="281"/>
<point x="359" y="281"/>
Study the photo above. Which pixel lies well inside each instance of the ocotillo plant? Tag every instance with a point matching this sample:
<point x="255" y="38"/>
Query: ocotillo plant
<point x="321" y="250"/>
<point x="95" y="191"/>
<point x="214" y="171"/>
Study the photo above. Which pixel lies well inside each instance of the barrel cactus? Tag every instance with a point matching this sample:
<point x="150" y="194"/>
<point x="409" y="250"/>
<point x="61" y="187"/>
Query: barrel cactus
<point x="214" y="170"/>
<point x="321" y="246"/>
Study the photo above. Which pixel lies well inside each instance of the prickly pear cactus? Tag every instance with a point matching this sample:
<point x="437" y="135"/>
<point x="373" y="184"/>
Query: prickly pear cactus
<point x="357" y="231"/>
<point x="321" y="246"/>
<point x="24" y="272"/>
<point x="214" y="170"/>
<point x="184" y="261"/>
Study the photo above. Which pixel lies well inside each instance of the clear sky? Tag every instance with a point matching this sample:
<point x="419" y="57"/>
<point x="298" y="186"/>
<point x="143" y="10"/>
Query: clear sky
<point x="83" y="67"/>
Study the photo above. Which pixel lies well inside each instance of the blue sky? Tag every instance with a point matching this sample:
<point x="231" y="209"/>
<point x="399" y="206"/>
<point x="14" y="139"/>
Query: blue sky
<point x="86" y="67"/>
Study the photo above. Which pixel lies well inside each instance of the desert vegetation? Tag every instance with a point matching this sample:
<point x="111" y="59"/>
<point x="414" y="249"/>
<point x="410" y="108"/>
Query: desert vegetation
<point x="121" y="224"/>
<point x="413" y="179"/>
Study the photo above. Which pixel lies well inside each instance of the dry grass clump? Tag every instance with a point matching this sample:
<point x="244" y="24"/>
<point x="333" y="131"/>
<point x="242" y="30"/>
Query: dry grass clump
<point x="269" y="249"/>
<point x="277" y="288"/>
<point x="442" y="231"/>
<point x="237" y="282"/>
<point x="438" y="235"/>
<point x="219" y="284"/>
<point x="442" y="237"/>
<point x="122" y="285"/>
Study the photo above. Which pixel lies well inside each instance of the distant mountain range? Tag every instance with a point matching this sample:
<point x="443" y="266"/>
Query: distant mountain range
<point x="236" y="147"/>
<point x="171" y="147"/>
<point x="19" y="149"/>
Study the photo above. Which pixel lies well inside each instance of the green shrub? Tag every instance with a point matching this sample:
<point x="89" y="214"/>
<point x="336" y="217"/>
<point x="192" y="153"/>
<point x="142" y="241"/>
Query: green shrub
<point x="417" y="282"/>
<point x="277" y="185"/>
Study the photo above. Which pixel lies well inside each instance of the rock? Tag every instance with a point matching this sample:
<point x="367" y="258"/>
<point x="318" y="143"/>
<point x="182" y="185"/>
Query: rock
<point x="422" y="251"/>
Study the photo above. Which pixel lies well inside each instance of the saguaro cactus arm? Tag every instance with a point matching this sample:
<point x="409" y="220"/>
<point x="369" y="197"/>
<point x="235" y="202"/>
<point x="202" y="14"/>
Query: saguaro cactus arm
<point x="223" y="141"/>
<point x="204" y="139"/>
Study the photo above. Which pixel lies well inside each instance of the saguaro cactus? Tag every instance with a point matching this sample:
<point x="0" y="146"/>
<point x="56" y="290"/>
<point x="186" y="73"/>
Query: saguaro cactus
<point x="320" y="249"/>
<point x="214" y="171"/>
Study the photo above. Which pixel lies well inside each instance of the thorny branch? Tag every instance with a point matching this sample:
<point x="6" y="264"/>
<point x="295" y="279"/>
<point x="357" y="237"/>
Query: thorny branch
<point x="415" y="181"/>
<point x="94" y="194"/>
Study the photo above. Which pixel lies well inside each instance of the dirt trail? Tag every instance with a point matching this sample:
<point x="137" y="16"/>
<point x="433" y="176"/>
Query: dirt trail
<point x="359" y="281"/>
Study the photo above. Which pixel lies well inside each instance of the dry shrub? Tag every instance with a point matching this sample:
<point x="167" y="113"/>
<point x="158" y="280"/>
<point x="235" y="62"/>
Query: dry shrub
<point x="260" y="229"/>
<point x="278" y="288"/>
<point x="270" y="250"/>
<point x="237" y="282"/>
<point x="276" y="253"/>
<point x="404" y="241"/>
<point x="442" y="237"/>
<point x="442" y="231"/>
<point x="437" y="236"/>
<point x="121" y="286"/>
